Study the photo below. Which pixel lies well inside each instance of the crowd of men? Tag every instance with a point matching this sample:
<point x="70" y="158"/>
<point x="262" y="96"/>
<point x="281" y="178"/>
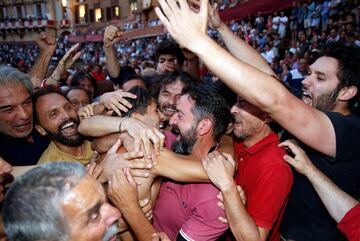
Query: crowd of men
<point x="212" y="140"/>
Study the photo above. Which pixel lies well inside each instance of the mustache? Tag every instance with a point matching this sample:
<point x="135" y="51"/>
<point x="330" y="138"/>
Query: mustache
<point x="62" y="124"/>
<point x="110" y="232"/>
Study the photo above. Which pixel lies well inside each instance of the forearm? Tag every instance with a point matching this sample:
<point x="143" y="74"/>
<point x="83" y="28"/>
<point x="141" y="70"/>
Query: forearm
<point x="180" y="168"/>
<point x="40" y="67"/>
<point x="336" y="201"/>
<point x="97" y="126"/>
<point x="112" y="63"/>
<point x="138" y="223"/>
<point x="241" y="50"/>
<point x="240" y="76"/>
<point x="241" y="223"/>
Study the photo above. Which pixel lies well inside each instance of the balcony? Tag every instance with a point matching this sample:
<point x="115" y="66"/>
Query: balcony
<point x="19" y="25"/>
<point x="64" y="23"/>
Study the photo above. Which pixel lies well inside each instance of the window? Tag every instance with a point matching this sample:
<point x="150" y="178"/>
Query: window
<point x="98" y="15"/>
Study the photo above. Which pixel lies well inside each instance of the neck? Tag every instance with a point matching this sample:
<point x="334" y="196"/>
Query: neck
<point x="74" y="151"/>
<point x="202" y="146"/>
<point x="342" y="108"/>
<point x="30" y="139"/>
<point x="252" y="140"/>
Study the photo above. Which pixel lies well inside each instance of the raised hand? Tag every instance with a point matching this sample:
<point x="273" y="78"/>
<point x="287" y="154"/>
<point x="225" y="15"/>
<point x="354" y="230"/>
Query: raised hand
<point x="186" y="26"/>
<point x="116" y="101"/>
<point x="66" y="62"/>
<point x="46" y="43"/>
<point x="112" y="35"/>
<point x="214" y="17"/>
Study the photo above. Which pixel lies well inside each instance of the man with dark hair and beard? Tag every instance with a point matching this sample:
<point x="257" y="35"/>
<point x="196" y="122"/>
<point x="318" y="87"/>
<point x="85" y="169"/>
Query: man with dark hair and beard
<point x="201" y="118"/>
<point x="324" y="124"/>
<point x="55" y="117"/>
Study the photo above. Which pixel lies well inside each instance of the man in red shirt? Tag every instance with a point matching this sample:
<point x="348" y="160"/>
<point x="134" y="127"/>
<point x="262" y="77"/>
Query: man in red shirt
<point x="262" y="174"/>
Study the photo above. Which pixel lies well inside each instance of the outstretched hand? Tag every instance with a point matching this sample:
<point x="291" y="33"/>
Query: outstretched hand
<point x="186" y="26"/>
<point x="300" y="161"/>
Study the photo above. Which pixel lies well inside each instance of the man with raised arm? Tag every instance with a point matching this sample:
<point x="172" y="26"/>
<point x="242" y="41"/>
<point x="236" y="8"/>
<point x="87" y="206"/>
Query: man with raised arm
<point x="323" y="120"/>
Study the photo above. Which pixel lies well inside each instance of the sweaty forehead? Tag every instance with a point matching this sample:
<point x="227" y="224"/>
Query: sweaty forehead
<point x="326" y="65"/>
<point x="50" y="101"/>
<point x="84" y="196"/>
<point x="175" y="88"/>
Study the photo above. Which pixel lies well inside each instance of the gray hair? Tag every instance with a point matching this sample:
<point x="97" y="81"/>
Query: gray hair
<point x="32" y="205"/>
<point x="13" y="76"/>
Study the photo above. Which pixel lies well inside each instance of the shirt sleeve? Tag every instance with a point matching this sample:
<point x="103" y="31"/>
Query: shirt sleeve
<point x="350" y="224"/>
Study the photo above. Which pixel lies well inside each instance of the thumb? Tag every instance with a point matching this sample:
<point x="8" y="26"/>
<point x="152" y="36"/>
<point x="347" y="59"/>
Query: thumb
<point x="115" y="147"/>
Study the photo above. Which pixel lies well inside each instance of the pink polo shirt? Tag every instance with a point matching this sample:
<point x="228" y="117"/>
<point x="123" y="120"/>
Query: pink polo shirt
<point x="190" y="209"/>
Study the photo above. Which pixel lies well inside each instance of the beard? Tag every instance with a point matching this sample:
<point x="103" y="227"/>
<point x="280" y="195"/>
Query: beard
<point x="110" y="232"/>
<point x="186" y="143"/>
<point x="73" y="141"/>
<point x="326" y="102"/>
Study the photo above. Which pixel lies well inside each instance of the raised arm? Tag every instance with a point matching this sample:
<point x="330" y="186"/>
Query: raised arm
<point x="264" y="91"/>
<point x="111" y="36"/>
<point x="238" y="47"/>
<point x="47" y="46"/>
<point x="66" y="62"/>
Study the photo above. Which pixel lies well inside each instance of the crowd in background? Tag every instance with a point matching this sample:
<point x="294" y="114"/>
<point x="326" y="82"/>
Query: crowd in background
<point x="282" y="38"/>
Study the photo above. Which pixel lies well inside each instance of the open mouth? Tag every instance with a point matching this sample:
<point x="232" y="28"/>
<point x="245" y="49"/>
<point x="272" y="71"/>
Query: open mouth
<point x="68" y="128"/>
<point x="168" y="111"/>
<point x="306" y="97"/>
<point x="23" y="127"/>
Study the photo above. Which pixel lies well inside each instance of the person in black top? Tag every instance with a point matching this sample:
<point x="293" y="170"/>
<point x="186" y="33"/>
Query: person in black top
<point x="20" y="144"/>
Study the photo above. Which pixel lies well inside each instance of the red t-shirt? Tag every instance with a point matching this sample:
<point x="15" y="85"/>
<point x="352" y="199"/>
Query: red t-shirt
<point x="266" y="179"/>
<point x="350" y="224"/>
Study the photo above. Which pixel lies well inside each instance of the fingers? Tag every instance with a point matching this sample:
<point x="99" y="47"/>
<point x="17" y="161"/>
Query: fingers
<point x="139" y="173"/>
<point x="129" y="177"/>
<point x="204" y="7"/>
<point x="144" y="202"/>
<point x="94" y="157"/>
<point x="132" y="155"/>
<point x="163" y="13"/>
<point x="115" y="147"/>
<point x="222" y="219"/>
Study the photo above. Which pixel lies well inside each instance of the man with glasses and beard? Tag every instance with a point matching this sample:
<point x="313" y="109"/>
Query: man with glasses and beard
<point x="55" y="117"/>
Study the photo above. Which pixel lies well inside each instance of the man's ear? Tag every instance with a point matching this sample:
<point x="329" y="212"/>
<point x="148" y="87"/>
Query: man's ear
<point x="347" y="93"/>
<point x="40" y="130"/>
<point x="204" y="126"/>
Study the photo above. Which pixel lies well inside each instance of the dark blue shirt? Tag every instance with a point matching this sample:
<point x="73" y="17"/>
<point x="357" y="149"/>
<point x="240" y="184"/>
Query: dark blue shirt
<point x="19" y="152"/>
